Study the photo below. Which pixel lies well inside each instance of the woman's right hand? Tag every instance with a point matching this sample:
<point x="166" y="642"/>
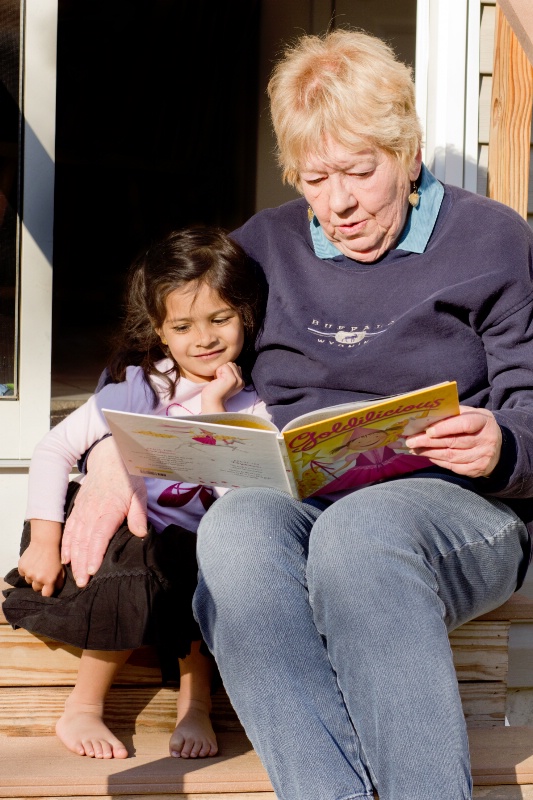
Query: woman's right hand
<point x="108" y="495"/>
<point x="40" y="564"/>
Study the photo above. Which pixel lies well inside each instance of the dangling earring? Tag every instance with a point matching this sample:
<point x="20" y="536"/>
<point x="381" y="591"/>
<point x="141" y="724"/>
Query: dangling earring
<point x="163" y="341"/>
<point x="414" y="197"/>
<point x="310" y="213"/>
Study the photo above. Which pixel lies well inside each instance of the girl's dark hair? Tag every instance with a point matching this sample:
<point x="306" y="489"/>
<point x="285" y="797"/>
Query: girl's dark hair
<point x="202" y="254"/>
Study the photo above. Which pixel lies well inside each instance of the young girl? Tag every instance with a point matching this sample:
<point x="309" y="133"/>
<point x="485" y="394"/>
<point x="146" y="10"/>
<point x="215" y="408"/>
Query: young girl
<point x="193" y="309"/>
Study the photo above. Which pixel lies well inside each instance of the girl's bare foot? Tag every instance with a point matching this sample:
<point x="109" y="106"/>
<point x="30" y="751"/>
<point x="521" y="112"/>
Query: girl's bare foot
<point x="194" y="736"/>
<point x="83" y="731"/>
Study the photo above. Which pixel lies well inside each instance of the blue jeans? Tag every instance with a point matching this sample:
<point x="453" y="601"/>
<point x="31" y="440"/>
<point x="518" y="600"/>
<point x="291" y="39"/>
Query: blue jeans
<point x="330" y="630"/>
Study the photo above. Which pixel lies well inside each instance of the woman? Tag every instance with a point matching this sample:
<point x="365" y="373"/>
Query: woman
<point x="329" y="619"/>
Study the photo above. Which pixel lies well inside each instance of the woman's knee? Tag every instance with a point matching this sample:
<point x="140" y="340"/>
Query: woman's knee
<point x="370" y="538"/>
<point x="362" y="524"/>
<point x="251" y="517"/>
<point x="248" y="550"/>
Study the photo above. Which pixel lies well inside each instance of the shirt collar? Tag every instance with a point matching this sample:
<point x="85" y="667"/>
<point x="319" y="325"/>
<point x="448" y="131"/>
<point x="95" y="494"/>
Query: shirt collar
<point x="417" y="230"/>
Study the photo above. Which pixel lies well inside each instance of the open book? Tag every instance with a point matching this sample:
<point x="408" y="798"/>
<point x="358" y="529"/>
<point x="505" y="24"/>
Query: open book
<point x="330" y="450"/>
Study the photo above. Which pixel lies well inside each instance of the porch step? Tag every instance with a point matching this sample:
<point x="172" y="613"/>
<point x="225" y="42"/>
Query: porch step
<point x="36" y="675"/>
<point x="41" y="767"/>
<point x="34" y="710"/>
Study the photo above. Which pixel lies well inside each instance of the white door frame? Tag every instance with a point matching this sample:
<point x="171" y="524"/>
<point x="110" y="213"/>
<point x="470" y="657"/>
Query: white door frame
<point x="26" y="418"/>
<point x="447" y="87"/>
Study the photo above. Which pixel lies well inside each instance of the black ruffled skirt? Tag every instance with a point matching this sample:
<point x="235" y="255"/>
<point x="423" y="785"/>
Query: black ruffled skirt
<point x="141" y="595"/>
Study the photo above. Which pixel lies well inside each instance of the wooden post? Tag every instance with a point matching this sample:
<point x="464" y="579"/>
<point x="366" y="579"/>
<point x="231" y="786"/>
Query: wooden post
<point x="510" y="124"/>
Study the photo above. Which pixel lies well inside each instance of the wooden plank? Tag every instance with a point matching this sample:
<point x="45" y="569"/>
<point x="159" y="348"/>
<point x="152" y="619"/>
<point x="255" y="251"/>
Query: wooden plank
<point x="511" y="103"/>
<point x="181" y="796"/>
<point x="484" y="703"/>
<point x="480" y="793"/>
<point x="501" y="755"/>
<point x="502" y="793"/>
<point x="40" y="767"/>
<point x="36" y="767"/>
<point x="479" y="648"/>
<point x="519" y="14"/>
<point x="480" y="651"/>
<point x="30" y="660"/>
<point x="33" y="711"/>
<point x="518" y="608"/>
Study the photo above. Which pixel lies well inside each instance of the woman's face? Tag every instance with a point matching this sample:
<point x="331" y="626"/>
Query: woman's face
<point x="360" y="199"/>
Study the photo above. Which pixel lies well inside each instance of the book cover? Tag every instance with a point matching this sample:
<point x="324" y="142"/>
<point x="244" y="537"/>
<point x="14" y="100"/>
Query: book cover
<point x="330" y="450"/>
<point x="366" y="444"/>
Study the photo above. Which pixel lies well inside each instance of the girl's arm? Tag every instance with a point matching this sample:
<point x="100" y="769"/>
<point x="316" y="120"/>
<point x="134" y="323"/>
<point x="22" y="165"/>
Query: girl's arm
<point x="50" y="468"/>
<point x="40" y="564"/>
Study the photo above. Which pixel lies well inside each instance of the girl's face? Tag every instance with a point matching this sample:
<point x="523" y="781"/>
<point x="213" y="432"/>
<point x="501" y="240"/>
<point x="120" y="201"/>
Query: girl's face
<point x="360" y="199"/>
<point x="201" y="331"/>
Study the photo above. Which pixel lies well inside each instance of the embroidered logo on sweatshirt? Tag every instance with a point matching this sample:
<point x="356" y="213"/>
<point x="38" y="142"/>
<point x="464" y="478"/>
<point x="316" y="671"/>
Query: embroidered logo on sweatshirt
<point x="343" y="336"/>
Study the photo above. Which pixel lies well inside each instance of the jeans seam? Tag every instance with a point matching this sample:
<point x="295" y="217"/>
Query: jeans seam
<point x="500" y="534"/>
<point x="356" y="796"/>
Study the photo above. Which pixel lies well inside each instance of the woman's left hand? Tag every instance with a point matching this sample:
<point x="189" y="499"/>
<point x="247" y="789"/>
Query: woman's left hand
<point x="469" y="444"/>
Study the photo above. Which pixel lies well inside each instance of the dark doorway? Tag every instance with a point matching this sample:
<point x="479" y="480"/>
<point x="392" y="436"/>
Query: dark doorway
<point x="156" y="128"/>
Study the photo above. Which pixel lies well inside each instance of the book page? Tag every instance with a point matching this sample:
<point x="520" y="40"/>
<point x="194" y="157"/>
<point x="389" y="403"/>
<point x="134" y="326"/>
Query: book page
<point x="198" y="452"/>
<point x="238" y="418"/>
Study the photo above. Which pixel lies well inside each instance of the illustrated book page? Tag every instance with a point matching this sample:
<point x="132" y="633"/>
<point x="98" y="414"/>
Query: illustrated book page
<point x="244" y="451"/>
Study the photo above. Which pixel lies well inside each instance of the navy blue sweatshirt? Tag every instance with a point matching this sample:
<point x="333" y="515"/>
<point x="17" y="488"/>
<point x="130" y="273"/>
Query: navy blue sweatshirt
<point x="338" y="330"/>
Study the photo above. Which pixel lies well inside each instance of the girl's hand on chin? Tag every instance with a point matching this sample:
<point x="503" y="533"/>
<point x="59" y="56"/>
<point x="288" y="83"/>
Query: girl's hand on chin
<point x="226" y="383"/>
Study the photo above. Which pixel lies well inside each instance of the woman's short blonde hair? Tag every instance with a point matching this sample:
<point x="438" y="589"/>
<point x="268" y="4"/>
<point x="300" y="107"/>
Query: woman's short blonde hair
<point x="347" y="87"/>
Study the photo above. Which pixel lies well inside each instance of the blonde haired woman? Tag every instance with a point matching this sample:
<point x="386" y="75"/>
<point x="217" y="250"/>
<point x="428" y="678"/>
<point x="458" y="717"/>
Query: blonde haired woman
<point x="329" y="619"/>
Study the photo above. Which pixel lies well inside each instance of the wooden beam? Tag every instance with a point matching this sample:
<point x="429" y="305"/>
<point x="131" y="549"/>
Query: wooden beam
<point x="510" y="125"/>
<point x="519" y="14"/>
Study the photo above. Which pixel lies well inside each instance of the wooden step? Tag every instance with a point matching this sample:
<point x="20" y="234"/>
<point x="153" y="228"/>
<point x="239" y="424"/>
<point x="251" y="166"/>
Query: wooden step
<point x="36" y="675"/>
<point x="26" y="659"/>
<point x="479" y="649"/>
<point x="41" y="767"/>
<point x="34" y="710"/>
<point x="501" y="755"/>
<point x="31" y="665"/>
<point x="519" y="608"/>
<point x="490" y="793"/>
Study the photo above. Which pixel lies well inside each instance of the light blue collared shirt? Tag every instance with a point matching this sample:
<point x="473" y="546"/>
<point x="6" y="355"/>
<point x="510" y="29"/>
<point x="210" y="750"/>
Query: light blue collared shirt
<point x="417" y="230"/>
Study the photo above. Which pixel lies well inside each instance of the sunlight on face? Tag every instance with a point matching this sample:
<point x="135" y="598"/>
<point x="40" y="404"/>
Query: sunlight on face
<point x="201" y="330"/>
<point x="360" y="199"/>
